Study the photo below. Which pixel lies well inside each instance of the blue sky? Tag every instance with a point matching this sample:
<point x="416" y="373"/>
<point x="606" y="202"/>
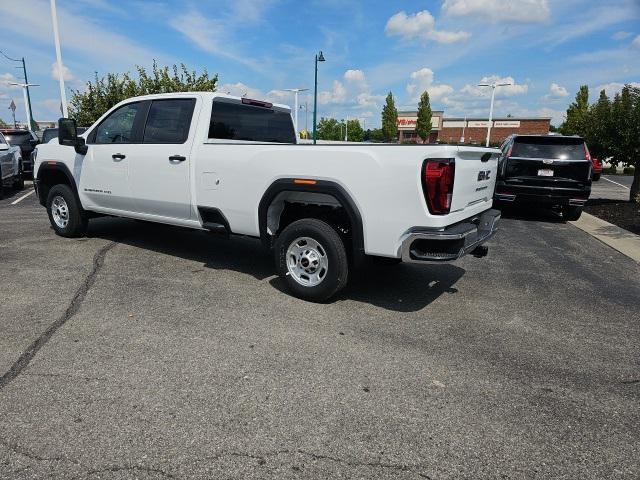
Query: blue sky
<point x="547" y="48"/>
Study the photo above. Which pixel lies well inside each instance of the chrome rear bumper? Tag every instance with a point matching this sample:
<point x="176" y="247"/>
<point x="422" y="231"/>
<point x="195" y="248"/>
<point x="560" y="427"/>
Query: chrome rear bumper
<point x="450" y="243"/>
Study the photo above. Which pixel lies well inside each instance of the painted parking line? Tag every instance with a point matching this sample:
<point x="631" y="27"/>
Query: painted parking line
<point x="22" y="197"/>
<point x="623" y="186"/>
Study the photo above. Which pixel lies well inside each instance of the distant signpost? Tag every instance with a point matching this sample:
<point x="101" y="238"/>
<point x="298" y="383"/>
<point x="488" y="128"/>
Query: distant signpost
<point x="12" y="107"/>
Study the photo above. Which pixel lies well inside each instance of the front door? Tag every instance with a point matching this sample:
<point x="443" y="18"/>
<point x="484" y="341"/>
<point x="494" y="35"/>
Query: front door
<point x="159" y="172"/>
<point x="104" y="176"/>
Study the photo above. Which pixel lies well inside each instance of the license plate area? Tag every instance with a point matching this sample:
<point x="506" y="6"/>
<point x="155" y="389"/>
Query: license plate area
<point x="545" y="172"/>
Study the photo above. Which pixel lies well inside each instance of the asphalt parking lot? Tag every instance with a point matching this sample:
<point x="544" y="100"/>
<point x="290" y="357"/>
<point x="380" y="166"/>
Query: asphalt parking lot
<point x="146" y="351"/>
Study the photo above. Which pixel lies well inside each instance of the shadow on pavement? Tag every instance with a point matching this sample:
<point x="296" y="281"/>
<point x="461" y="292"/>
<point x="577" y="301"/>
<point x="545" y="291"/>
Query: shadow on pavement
<point x="530" y="213"/>
<point x="401" y="288"/>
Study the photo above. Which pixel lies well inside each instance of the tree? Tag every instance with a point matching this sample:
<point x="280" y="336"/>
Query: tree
<point x="597" y="129"/>
<point x="374" y="135"/>
<point x="3" y="124"/>
<point x="103" y="93"/>
<point x="625" y="139"/>
<point x="577" y="114"/>
<point x="356" y="133"/>
<point x="390" y="119"/>
<point x="423" y="124"/>
<point x="328" y="129"/>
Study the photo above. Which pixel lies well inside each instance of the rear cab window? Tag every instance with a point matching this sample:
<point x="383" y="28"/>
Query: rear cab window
<point x="18" y="138"/>
<point x="231" y="120"/>
<point x="556" y="148"/>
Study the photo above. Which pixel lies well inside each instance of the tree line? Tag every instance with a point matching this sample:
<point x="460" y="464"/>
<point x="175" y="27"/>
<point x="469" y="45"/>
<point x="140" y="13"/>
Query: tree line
<point x="611" y="128"/>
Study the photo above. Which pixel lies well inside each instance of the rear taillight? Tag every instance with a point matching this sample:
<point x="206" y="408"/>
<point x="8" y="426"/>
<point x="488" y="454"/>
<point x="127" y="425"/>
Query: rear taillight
<point x="587" y="155"/>
<point x="437" y="183"/>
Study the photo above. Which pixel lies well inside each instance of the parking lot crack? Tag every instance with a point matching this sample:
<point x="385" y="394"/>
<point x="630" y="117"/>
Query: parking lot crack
<point x="130" y="468"/>
<point x="72" y="308"/>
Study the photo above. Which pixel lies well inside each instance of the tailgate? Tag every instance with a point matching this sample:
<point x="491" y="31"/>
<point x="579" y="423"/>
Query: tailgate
<point x="546" y="172"/>
<point x="475" y="179"/>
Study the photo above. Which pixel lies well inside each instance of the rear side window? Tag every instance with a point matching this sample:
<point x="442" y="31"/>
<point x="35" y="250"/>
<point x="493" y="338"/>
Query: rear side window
<point x="549" y="147"/>
<point x="168" y="121"/>
<point x="234" y="121"/>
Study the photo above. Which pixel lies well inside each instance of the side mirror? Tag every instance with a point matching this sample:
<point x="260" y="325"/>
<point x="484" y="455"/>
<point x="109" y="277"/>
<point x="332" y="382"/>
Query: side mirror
<point x="68" y="135"/>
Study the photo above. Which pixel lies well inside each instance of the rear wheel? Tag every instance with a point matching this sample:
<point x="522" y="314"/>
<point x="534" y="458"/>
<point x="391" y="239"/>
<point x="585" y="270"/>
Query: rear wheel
<point x="571" y="214"/>
<point x="65" y="214"/>
<point x="596" y="177"/>
<point x="312" y="260"/>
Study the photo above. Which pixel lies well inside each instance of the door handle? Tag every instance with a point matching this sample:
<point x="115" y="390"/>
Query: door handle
<point x="118" y="156"/>
<point x="177" y="158"/>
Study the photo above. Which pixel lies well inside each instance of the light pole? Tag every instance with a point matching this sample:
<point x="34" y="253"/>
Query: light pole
<point x="26" y="80"/>
<point x="493" y="95"/>
<point x="306" y="115"/>
<point x="56" y="37"/>
<point x="25" y="87"/>
<point x="319" y="58"/>
<point x="296" y="91"/>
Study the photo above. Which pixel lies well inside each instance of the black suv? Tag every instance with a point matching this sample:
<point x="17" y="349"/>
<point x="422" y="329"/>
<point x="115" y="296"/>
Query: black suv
<point x="549" y="170"/>
<point x="27" y="142"/>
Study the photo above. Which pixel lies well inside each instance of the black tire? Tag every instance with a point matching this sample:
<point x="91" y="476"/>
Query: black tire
<point x="596" y="177"/>
<point x="335" y="255"/>
<point x="571" y="214"/>
<point x="76" y="224"/>
<point x="1" y="188"/>
<point x="18" y="181"/>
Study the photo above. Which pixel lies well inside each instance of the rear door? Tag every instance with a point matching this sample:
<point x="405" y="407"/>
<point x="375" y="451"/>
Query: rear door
<point x="548" y="161"/>
<point x="159" y="172"/>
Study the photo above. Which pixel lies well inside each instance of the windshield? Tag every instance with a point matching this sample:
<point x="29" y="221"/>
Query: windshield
<point x="18" y="139"/>
<point x="549" y="147"/>
<point x="48" y="134"/>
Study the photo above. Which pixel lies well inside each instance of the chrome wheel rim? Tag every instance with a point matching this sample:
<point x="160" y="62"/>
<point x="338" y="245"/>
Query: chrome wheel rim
<point x="307" y="262"/>
<point x="60" y="212"/>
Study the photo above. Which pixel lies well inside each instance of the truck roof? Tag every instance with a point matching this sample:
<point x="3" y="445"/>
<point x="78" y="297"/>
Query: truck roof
<point x="205" y="95"/>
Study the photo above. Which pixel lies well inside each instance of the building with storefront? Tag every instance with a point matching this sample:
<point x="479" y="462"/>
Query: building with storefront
<point x="470" y="130"/>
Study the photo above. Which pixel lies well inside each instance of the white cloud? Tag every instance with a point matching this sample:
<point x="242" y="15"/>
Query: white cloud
<point x="5" y="81"/>
<point x="239" y="89"/>
<point x="420" y="25"/>
<point x="523" y="11"/>
<point x="614" y="87"/>
<point x="621" y="35"/>
<point x="338" y="94"/>
<point x="504" y="91"/>
<point x="636" y="42"/>
<point x="66" y="73"/>
<point x="557" y="91"/>
<point x="422" y="80"/>
<point x="356" y="76"/>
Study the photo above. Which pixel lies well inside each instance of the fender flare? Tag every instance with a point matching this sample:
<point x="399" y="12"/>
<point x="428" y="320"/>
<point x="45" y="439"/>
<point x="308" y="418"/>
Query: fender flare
<point x="48" y="166"/>
<point x="320" y="186"/>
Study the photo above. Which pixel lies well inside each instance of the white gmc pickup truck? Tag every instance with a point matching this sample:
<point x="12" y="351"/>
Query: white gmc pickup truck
<point x="232" y="165"/>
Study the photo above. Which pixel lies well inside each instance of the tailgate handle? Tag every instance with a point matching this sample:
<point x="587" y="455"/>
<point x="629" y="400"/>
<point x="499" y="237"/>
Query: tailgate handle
<point x="485" y="157"/>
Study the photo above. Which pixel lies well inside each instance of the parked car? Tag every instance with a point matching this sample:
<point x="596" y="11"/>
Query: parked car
<point x="10" y="166"/>
<point x="27" y="141"/>
<point x="49" y="134"/>
<point x="553" y="171"/>
<point x="232" y="165"/>
<point x="596" y="169"/>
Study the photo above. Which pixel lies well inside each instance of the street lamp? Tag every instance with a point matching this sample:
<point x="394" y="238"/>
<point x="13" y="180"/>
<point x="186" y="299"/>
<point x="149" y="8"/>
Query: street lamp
<point x="319" y="58"/>
<point x="25" y="87"/>
<point x="306" y="116"/>
<point x="296" y="91"/>
<point x="493" y="94"/>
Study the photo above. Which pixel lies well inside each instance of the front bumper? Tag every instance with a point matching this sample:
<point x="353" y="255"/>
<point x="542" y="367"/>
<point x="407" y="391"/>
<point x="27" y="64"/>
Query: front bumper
<point x="450" y="243"/>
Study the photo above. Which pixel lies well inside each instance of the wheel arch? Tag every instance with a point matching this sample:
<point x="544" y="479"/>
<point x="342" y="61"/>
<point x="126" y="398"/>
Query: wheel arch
<point x="50" y="174"/>
<point x="325" y="188"/>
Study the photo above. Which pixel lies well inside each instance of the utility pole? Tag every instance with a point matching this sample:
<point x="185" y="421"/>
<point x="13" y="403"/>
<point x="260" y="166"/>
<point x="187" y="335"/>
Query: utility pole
<point x="30" y="121"/>
<point x="493" y="95"/>
<point x="56" y="37"/>
<point x="25" y="88"/>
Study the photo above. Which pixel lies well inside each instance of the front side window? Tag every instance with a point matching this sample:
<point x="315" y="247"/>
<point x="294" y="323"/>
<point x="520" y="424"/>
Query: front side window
<point x="235" y="121"/>
<point x="119" y="126"/>
<point x="168" y="121"/>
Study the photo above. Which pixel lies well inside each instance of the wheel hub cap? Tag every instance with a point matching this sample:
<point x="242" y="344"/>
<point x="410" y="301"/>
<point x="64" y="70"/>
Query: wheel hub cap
<point x="307" y="261"/>
<point x="60" y="212"/>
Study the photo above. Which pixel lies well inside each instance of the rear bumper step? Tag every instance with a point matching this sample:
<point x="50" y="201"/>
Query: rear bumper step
<point x="453" y="242"/>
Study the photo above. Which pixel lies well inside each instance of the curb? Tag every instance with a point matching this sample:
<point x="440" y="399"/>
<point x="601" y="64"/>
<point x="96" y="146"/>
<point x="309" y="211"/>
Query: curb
<point x="617" y="238"/>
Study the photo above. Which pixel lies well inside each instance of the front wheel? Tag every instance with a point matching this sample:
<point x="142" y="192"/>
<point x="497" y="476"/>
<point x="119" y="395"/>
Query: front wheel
<point x="65" y="213"/>
<point x="312" y="260"/>
<point x="571" y="214"/>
